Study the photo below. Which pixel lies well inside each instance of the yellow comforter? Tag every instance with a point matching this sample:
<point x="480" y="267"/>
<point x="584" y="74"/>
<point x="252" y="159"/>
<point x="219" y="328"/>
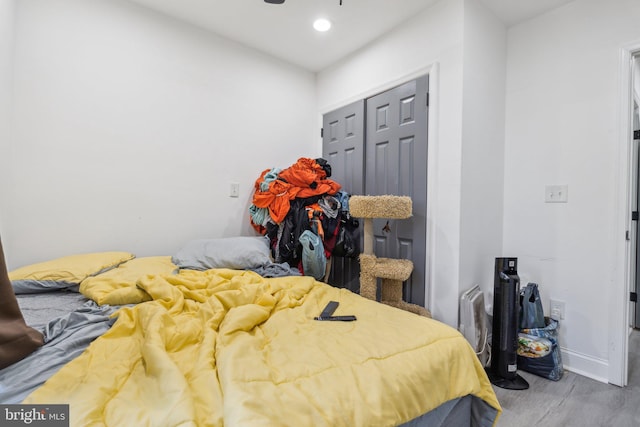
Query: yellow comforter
<point x="227" y="347"/>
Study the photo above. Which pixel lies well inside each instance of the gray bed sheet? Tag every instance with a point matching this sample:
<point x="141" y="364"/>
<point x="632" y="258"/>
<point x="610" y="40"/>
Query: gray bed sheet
<point x="38" y="309"/>
<point x="69" y="323"/>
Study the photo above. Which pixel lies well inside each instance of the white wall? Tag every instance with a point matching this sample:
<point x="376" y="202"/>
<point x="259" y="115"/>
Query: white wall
<point x="561" y="128"/>
<point x="481" y="209"/>
<point x="432" y="38"/>
<point x="130" y="126"/>
<point x="6" y="72"/>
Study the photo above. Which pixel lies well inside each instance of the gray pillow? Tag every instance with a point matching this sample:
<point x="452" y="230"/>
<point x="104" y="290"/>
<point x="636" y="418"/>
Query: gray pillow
<point x="238" y="253"/>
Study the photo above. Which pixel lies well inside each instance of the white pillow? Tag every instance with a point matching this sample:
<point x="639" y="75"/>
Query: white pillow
<point x="238" y="253"/>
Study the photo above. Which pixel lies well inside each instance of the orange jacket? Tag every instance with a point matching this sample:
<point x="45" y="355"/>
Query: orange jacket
<point x="310" y="177"/>
<point x="305" y="178"/>
<point x="277" y="199"/>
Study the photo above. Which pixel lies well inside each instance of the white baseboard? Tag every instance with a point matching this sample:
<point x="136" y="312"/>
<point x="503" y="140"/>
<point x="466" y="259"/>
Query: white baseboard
<point x="587" y="366"/>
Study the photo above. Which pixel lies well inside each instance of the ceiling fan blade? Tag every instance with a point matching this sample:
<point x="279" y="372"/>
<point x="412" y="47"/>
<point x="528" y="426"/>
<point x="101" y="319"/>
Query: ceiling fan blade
<point x="274" y="1"/>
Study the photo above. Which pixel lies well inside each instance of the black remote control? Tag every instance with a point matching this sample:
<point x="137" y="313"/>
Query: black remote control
<point x="329" y="309"/>
<point x="337" y="318"/>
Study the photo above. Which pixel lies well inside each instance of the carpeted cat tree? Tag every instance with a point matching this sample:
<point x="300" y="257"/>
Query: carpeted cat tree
<point x="392" y="271"/>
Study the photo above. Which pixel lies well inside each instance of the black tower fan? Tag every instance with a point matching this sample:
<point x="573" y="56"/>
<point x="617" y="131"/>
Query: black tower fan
<point x="503" y="371"/>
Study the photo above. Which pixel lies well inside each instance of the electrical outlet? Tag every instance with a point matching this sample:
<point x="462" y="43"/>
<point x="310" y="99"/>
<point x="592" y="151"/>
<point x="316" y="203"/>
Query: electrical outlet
<point x="234" y="189"/>
<point x="557" y="309"/>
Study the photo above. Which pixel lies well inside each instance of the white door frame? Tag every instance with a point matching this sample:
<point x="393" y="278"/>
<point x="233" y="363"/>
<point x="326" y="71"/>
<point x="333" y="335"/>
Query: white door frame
<point x="619" y="295"/>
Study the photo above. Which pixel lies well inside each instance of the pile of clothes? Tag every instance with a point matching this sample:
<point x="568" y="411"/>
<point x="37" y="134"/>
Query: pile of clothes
<point x="305" y="215"/>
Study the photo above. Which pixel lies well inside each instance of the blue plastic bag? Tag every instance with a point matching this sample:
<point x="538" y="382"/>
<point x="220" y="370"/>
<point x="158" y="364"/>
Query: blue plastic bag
<point x="531" y="313"/>
<point x="314" y="262"/>
<point x="550" y="365"/>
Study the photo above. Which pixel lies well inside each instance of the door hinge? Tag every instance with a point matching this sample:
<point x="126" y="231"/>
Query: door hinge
<point x="627" y="235"/>
<point x="634" y="216"/>
<point x="633" y="296"/>
<point x="636" y="134"/>
<point x="321" y="132"/>
<point x="427" y="99"/>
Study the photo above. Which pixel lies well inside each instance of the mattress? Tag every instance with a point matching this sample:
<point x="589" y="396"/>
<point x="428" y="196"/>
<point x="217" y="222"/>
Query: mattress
<point x="229" y="347"/>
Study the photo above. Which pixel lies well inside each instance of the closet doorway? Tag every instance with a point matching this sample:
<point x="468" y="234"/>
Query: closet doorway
<point x="378" y="146"/>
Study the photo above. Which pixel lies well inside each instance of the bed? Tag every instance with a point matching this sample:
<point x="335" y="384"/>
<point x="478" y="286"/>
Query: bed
<point x="186" y="340"/>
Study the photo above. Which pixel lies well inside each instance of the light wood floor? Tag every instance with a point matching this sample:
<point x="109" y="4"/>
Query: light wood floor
<point x="575" y="401"/>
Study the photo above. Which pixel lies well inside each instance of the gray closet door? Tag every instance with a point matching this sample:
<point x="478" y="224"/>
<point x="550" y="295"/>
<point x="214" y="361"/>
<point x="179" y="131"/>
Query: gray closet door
<point x="343" y="145"/>
<point x="343" y="148"/>
<point x="396" y="164"/>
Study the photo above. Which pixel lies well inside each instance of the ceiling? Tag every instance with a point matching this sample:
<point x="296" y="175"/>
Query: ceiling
<point x="285" y="31"/>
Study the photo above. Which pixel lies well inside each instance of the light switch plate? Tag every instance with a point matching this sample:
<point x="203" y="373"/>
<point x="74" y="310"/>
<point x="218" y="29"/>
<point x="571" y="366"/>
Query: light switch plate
<point x="556" y="194"/>
<point x="234" y="189"/>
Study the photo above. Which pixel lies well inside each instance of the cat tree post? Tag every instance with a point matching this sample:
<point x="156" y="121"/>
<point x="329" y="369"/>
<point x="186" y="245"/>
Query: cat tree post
<point x="368" y="236"/>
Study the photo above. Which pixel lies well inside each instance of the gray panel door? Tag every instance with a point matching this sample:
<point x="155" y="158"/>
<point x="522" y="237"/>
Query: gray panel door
<point x="343" y="148"/>
<point x="396" y="164"/>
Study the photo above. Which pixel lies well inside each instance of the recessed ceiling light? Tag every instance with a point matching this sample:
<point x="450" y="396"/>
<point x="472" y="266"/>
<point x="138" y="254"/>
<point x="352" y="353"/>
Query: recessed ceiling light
<point x="322" y="24"/>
